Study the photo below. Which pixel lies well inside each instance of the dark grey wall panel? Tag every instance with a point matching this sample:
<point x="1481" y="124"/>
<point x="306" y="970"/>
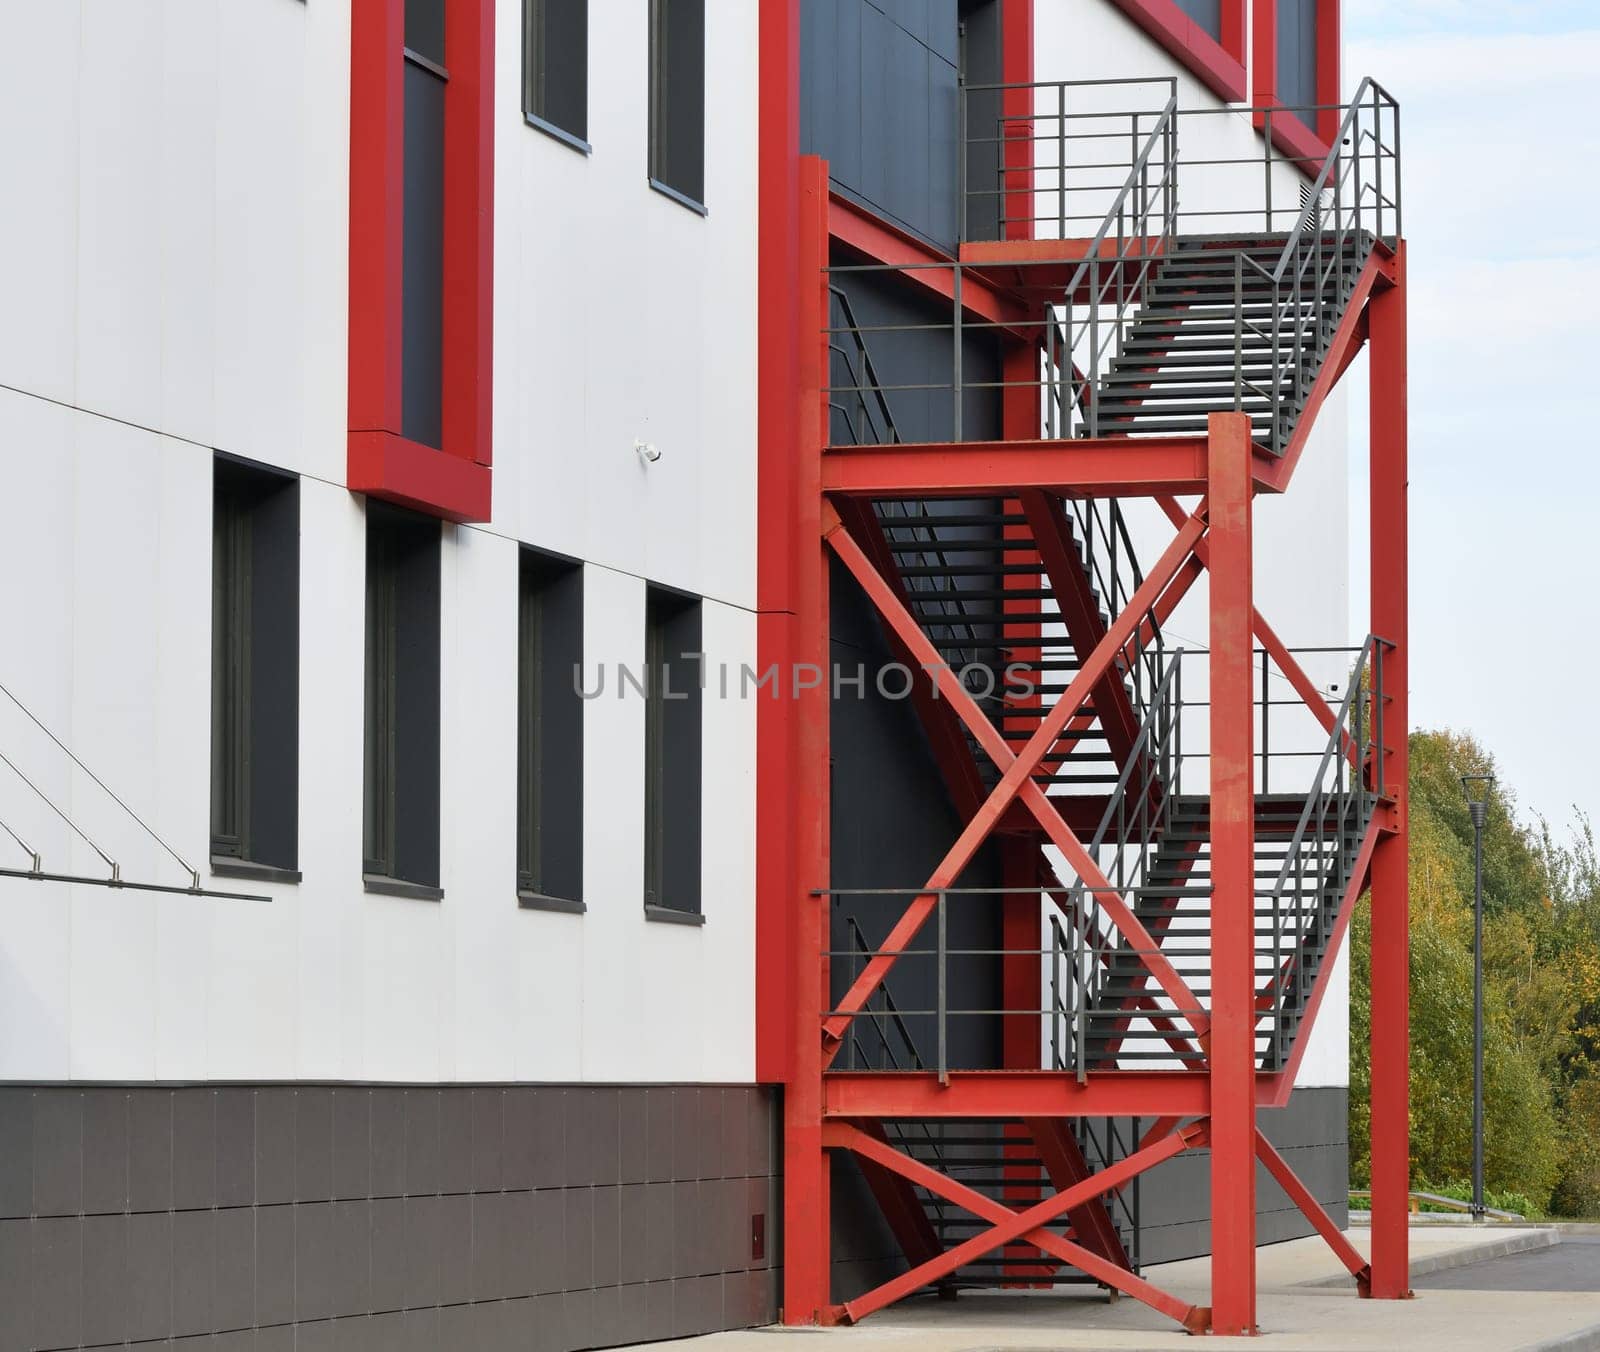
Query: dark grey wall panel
<point x="878" y="101"/>
<point x="374" y="1216"/>
<point x="1312" y="1133"/>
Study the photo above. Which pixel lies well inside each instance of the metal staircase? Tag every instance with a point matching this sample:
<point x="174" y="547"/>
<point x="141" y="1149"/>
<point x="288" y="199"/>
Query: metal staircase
<point x="1004" y="1161"/>
<point x="1141" y="332"/>
<point x="1157" y="851"/>
<point x="1212" y="337"/>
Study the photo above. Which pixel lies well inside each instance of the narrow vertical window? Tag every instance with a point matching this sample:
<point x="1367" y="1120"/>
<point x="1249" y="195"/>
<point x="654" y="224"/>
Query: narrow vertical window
<point x="422" y="285"/>
<point x="255" y="669"/>
<point x="1207" y="14"/>
<point x="1297" y="58"/>
<point x="550" y="734"/>
<point x="555" y="68"/>
<point x="400" y="851"/>
<point x="672" y="755"/>
<point x="678" y="100"/>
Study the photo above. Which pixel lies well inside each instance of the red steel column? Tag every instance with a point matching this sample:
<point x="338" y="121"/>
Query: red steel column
<point x="1391" y="926"/>
<point x="1233" y="1099"/>
<point x="805" y="1162"/>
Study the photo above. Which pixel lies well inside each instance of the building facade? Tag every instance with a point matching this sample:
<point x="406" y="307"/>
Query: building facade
<point x="398" y="439"/>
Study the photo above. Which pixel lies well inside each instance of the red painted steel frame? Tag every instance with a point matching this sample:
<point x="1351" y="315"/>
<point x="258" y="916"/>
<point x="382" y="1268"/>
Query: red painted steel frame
<point x="454" y="481"/>
<point x="1220" y="66"/>
<point x="1391" y="928"/>
<point x="1233" y="1011"/>
<point x="797" y="475"/>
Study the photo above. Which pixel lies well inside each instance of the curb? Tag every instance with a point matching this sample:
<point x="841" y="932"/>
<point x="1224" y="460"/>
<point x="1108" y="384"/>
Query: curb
<point x="1473" y="1253"/>
<point x="1584" y="1340"/>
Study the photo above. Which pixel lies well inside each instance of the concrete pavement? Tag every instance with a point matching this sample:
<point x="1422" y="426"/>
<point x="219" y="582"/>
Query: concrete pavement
<point x="1304" y="1304"/>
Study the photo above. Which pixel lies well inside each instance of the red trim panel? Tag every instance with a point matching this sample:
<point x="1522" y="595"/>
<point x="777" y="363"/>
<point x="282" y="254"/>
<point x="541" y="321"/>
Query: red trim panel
<point x="1217" y="65"/>
<point x="777" y="453"/>
<point x="452" y="482"/>
<point x="1289" y="133"/>
<point x="385" y="465"/>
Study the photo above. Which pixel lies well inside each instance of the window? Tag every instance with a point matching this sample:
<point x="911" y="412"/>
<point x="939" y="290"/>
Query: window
<point x="550" y="734"/>
<point x="255" y="670"/>
<point x="1206" y="13"/>
<point x="678" y="100"/>
<point x="422" y="285"/>
<point x="400" y="851"/>
<point x="672" y="756"/>
<point x="555" y="68"/>
<point x="1207" y="36"/>
<point x="1297" y="57"/>
<point x="1295" y="60"/>
<point x="421" y="275"/>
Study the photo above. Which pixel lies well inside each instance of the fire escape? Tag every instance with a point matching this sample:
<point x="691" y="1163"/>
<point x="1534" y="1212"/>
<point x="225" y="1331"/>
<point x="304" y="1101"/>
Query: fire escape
<point x="1183" y="835"/>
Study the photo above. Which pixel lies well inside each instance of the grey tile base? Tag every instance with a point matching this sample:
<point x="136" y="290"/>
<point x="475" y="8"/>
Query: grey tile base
<point x="255" y="1218"/>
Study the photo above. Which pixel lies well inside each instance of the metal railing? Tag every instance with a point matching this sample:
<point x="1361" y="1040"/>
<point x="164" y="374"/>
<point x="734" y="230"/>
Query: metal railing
<point x="1107" y="289"/>
<point x="1024" y="147"/>
<point x="1321" y="852"/>
<point x="1085" y="945"/>
<point x="1135" y="183"/>
<point x="1095" y="992"/>
<point x="1349" y="204"/>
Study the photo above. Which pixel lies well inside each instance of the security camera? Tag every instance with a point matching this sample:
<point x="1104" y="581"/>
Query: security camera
<point x="647" y="451"/>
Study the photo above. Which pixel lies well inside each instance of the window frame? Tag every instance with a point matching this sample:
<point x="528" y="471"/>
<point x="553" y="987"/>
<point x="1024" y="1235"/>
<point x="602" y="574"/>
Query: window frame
<point x="398" y="538"/>
<point x="247" y="499"/>
<point x="670" y="605"/>
<point x="539" y="574"/>
<point x="533" y="71"/>
<point x="1218" y="63"/>
<point x="1307" y="146"/>
<point x="659" y="85"/>
<point x="452" y="482"/>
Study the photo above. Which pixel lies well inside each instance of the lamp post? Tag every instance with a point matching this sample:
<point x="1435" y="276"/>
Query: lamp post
<point x="1477" y="789"/>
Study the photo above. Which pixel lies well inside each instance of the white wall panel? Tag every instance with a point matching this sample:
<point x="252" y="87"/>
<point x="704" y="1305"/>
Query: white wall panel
<point x="38" y="161"/>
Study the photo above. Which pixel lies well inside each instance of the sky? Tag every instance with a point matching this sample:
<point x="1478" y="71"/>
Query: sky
<point x="1501" y="157"/>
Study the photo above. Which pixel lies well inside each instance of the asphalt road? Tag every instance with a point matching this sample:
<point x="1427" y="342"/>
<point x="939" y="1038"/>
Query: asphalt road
<point x="1572" y="1265"/>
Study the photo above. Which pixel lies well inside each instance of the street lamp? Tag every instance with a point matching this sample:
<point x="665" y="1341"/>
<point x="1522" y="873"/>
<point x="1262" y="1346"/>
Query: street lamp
<point x="1477" y="789"/>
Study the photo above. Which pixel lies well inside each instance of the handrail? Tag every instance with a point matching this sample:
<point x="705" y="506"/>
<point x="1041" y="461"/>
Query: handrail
<point x="1158" y="135"/>
<point x="1307" y="283"/>
<point x="1310" y="212"/>
<point x="1350" y="801"/>
<point x="1453" y="1203"/>
<point x="1154" y="753"/>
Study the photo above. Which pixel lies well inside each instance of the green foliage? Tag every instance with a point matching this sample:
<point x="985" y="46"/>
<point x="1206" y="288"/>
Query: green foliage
<point x="1541" y="950"/>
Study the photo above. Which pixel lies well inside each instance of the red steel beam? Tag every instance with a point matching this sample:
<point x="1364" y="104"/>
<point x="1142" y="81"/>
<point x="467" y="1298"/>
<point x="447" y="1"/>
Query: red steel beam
<point x="1114" y="467"/>
<point x="874" y="240"/>
<point x="1008" y="1224"/>
<point x="807" y="1262"/>
<point x="895" y="1197"/>
<point x="1016" y="781"/>
<point x="1036" y="1093"/>
<point x="1312" y="1210"/>
<point x="1303" y="685"/>
<point x="1233" y="1012"/>
<point x="1081" y="616"/>
<point x="950" y="750"/>
<point x="1391" y="937"/>
<point x="1064" y="1161"/>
